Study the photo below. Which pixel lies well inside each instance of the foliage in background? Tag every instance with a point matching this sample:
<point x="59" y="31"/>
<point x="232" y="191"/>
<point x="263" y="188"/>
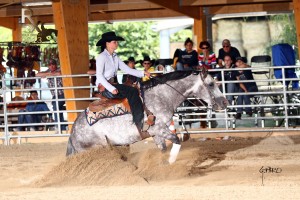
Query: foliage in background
<point x="181" y="35"/>
<point x="140" y="39"/>
<point x="288" y="33"/>
<point x="6" y="34"/>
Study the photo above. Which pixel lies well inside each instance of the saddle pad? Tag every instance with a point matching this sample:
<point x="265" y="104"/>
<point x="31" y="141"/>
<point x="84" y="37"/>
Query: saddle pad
<point x="106" y="110"/>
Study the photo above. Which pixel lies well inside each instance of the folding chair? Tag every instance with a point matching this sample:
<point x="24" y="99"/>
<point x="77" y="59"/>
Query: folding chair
<point x="256" y="63"/>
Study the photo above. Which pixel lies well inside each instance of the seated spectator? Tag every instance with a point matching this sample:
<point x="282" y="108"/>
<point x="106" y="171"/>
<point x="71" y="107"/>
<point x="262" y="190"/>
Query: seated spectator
<point x="175" y="57"/>
<point x="14" y="105"/>
<point x="244" y="87"/>
<point x="228" y="76"/>
<point x="127" y="78"/>
<point x="207" y="57"/>
<point x="188" y="58"/>
<point x="147" y="63"/>
<point x="33" y="107"/>
<point x="160" y="68"/>
<point x="227" y="49"/>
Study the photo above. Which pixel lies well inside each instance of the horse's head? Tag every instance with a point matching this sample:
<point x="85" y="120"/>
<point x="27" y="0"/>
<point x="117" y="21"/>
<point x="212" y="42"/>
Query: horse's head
<point x="206" y="89"/>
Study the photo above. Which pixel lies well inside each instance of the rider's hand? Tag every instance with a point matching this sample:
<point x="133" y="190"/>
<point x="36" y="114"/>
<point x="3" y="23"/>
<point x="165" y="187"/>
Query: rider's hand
<point x="148" y="74"/>
<point x="115" y="91"/>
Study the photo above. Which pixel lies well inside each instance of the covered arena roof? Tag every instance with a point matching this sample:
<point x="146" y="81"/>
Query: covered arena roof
<point x="104" y="10"/>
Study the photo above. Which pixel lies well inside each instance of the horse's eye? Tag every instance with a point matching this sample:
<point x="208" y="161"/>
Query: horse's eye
<point x="211" y="84"/>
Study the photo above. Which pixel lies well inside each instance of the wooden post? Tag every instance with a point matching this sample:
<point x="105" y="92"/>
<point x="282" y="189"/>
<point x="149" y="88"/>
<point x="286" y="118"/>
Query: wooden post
<point x="71" y="21"/>
<point x="199" y="29"/>
<point x="296" y="4"/>
<point x="17" y="30"/>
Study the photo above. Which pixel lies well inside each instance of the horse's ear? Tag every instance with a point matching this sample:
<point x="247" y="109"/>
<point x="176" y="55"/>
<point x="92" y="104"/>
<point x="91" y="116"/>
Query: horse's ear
<point x="204" y="72"/>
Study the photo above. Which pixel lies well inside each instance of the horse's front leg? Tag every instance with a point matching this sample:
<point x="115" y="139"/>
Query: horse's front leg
<point x="168" y="135"/>
<point x="165" y="134"/>
<point x="160" y="143"/>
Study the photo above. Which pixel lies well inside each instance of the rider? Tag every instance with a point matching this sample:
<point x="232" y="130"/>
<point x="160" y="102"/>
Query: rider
<point x="107" y="64"/>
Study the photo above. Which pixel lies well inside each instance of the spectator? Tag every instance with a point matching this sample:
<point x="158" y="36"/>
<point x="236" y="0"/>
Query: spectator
<point x="53" y="70"/>
<point x="188" y="58"/>
<point x="244" y="87"/>
<point x="147" y="63"/>
<point x="33" y="107"/>
<point x="175" y="57"/>
<point x="207" y="57"/>
<point x="127" y="78"/>
<point x="160" y="68"/>
<point x="227" y="49"/>
<point x="228" y="76"/>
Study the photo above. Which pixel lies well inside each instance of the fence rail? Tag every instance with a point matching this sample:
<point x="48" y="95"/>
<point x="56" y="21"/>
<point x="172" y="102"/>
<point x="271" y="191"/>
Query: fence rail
<point x="276" y="108"/>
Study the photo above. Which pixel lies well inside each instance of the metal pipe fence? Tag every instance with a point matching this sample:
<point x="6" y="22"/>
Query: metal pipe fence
<point x="276" y="108"/>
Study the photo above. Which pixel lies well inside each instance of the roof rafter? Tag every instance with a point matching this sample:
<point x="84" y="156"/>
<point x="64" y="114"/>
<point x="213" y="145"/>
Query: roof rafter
<point x="270" y="7"/>
<point x="225" y="2"/>
<point x="137" y="14"/>
<point x="193" y="12"/>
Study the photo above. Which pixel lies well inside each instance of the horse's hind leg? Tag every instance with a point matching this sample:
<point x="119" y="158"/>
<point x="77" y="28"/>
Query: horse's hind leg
<point x="70" y="148"/>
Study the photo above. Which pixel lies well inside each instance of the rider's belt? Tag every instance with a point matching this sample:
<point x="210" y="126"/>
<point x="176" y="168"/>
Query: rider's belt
<point x="113" y="80"/>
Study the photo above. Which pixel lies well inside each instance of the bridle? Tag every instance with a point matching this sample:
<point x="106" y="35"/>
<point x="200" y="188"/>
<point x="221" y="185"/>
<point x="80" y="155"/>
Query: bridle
<point x="211" y="95"/>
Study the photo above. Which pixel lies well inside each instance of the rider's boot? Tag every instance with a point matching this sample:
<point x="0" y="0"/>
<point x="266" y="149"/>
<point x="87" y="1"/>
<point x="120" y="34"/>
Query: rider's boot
<point x="143" y="134"/>
<point x="150" y="117"/>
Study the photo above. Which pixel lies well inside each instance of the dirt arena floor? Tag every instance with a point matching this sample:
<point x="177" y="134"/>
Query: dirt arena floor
<point x="242" y="166"/>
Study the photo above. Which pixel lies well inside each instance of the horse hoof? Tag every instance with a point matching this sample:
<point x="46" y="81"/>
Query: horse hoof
<point x="186" y="137"/>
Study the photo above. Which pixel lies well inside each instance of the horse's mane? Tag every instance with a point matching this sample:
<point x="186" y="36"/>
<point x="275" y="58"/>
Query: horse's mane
<point x="162" y="79"/>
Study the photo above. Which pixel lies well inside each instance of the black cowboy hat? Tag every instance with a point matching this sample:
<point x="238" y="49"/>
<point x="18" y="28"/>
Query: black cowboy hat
<point x="147" y="58"/>
<point x="107" y="37"/>
<point x="130" y="59"/>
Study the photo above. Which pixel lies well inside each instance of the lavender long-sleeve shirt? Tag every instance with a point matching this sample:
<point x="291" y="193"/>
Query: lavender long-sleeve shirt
<point x="107" y="66"/>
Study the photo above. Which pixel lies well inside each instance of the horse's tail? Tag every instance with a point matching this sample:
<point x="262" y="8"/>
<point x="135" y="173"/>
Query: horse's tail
<point x="70" y="148"/>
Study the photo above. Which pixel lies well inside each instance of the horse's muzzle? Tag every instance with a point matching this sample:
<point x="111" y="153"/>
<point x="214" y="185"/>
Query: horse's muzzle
<point x="221" y="103"/>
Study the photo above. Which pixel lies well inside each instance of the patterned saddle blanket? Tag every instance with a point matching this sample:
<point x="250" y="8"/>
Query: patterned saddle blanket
<point x="106" y="108"/>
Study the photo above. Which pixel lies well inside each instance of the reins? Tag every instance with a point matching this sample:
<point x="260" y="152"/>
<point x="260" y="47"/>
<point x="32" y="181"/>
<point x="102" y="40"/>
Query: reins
<point x="199" y="100"/>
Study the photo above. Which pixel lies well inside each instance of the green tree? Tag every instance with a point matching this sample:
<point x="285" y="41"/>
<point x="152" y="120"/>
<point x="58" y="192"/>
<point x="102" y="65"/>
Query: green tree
<point x="181" y="35"/>
<point x="140" y="39"/>
<point x="6" y="34"/>
<point x="288" y="34"/>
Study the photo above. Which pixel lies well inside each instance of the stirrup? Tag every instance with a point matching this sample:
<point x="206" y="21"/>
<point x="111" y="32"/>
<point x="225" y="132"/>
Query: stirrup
<point x="151" y="120"/>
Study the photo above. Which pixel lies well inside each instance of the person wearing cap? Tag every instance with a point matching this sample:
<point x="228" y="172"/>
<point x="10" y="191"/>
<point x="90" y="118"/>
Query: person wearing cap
<point x="107" y="65"/>
<point x="53" y="70"/>
<point x="147" y="63"/>
<point x="128" y="79"/>
<point x="188" y="58"/>
<point x="244" y="87"/>
<point x="227" y="49"/>
<point x="33" y="107"/>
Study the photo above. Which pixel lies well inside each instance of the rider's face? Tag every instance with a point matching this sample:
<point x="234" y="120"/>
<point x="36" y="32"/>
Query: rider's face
<point x="112" y="45"/>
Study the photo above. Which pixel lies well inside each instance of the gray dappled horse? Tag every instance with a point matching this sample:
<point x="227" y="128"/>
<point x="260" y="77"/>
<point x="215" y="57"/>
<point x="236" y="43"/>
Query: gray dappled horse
<point x="162" y="96"/>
